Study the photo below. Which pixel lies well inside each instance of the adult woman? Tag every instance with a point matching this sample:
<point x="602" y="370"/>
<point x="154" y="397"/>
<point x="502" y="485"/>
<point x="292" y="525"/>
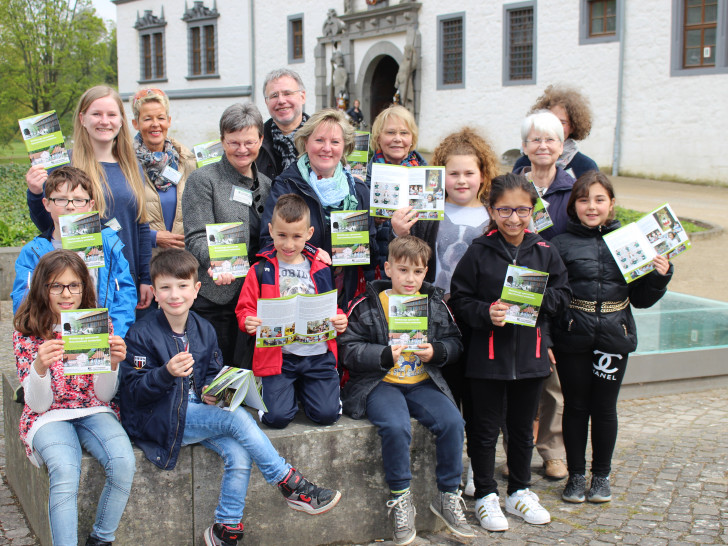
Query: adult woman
<point x="103" y="150"/>
<point x="231" y="190"/>
<point x="572" y="109"/>
<point x="394" y="139"/>
<point x="166" y="164"/>
<point x="320" y="177"/>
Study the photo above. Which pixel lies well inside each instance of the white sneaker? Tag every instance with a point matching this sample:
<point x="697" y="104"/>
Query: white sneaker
<point x="524" y="503"/>
<point x="489" y="513"/>
<point x="469" y="483"/>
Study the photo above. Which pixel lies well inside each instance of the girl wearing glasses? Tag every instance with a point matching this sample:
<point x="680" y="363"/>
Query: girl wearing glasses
<point x="64" y="413"/>
<point x="506" y="363"/>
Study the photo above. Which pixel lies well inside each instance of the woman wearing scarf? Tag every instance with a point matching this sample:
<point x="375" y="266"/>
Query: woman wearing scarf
<point x="572" y="109"/>
<point x="322" y="177"/>
<point x="166" y="164"/>
<point x="394" y="139"/>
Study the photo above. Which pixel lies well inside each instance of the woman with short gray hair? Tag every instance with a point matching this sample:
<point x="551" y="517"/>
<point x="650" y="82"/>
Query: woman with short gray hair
<point x="231" y="190"/>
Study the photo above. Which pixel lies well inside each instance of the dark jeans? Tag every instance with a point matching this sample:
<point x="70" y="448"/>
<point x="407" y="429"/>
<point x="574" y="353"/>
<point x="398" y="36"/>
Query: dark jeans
<point x="311" y="379"/>
<point x="489" y="398"/>
<point x="223" y="320"/>
<point x="390" y="407"/>
<point x="590" y="383"/>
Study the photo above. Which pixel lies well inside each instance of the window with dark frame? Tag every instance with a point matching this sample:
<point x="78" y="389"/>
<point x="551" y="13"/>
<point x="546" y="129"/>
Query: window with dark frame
<point x="151" y="46"/>
<point x="196" y="51"/>
<point x="158" y="55"/>
<point x="202" y="39"/>
<point x="209" y="31"/>
<point x="452" y="51"/>
<point x="699" y="33"/>
<point x="297" y="38"/>
<point x="602" y="17"/>
<point x="147" y="57"/>
<point x="520" y="44"/>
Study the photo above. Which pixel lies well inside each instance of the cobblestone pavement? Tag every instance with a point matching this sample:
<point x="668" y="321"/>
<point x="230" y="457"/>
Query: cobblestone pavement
<point x="669" y="479"/>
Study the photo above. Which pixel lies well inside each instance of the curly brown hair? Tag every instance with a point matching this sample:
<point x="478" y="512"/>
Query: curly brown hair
<point x="467" y="141"/>
<point x="576" y="106"/>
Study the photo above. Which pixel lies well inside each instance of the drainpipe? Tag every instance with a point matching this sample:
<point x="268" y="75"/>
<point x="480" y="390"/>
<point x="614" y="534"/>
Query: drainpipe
<point x="621" y="8"/>
<point x="252" y="51"/>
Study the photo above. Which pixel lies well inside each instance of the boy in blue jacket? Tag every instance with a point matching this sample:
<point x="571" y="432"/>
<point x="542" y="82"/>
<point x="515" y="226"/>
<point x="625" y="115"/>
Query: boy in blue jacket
<point x="172" y="355"/>
<point x="69" y="190"/>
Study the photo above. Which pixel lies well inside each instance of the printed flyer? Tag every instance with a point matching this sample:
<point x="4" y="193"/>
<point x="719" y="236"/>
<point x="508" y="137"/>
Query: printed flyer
<point x="541" y="218"/>
<point x="408" y="321"/>
<point x="397" y="186"/>
<point x="350" y="237"/>
<point x="208" y="152"/>
<point x="523" y="290"/>
<point x="228" y="252"/>
<point x="44" y="140"/>
<point x="301" y="318"/>
<point x="82" y="233"/>
<point x="85" y="334"/>
<point x="359" y="158"/>
<point x="235" y="386"/>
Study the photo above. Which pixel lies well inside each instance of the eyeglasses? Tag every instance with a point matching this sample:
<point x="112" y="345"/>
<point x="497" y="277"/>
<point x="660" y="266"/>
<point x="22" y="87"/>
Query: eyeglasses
<point x="63" y="202"/>
<point x="539" y="141"/>
<point x="521" y="212"/>
<point x="248" y="144"/>
<point x="285" y="94"/>
<point x="57" y="288"/>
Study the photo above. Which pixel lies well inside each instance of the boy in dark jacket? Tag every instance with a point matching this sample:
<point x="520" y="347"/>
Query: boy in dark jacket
<point x="391" y="386"/>
<point x="296" y="371"/>
<point x="172" y="355"/>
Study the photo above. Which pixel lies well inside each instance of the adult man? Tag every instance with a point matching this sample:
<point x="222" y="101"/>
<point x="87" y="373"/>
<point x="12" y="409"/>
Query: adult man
<point x="285" y="96"/>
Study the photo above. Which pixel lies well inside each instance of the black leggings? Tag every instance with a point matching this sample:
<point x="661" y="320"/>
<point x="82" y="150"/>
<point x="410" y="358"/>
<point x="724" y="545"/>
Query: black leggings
<point x="590" y="382"/>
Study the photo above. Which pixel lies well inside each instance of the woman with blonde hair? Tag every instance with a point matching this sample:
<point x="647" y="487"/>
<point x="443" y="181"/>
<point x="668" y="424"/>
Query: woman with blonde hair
<point x="103" y="150"/>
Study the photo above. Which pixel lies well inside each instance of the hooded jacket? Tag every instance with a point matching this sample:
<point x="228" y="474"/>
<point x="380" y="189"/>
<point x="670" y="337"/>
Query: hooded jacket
<point x="595" y="276"/>
<point x="153" y="402"/>
<point x="115" y="288"/>
<point x="557" y="196"/>
<point x="367" y="356"/>
<point x="511" y="351"/>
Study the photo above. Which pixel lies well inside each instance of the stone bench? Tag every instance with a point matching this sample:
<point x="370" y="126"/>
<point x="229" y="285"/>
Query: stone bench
<point x="175" y="507"/>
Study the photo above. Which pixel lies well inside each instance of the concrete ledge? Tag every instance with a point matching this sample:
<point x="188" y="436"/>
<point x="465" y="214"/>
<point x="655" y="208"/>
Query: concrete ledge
<point x="179" y="505"/>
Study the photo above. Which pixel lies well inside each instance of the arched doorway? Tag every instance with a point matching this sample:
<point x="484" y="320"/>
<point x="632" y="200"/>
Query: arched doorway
<point x="381" y="89"/>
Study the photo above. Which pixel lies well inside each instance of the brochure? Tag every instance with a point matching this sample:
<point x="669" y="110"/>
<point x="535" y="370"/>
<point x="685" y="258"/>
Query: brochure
<point x="359" y="158"/>
<point x="350" y="237"/>
<point x="300" y="318"/>
<point x="208" y="152"/>
<point x="408" y="321"/>
<point x="228" y="252"/>
<point x="635" y="245"/>
<point x="397" y="186"/>
<point x="82" y="233"/>
<point x="85" y="334"/>
<point x="44" y="140"/>
<point x="541" y="217"/>
<point x="523" y="290"/>
<point x="235" y="386"/>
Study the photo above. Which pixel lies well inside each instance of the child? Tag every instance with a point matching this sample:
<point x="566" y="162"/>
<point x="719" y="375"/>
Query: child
<point x="517" y="360"/>
<point x="69" y="190"/>
<point x="64" y="413"/>
<point x="297" y="371"/>
<point x="595" y="335"/>
<point x="173" y="355"/>
<point x="390" y="387"/>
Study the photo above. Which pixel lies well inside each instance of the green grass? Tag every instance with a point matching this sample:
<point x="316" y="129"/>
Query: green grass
<point x="13" y="152"/>
<point x="16" y="227"/>
<point x="625" y="216"/>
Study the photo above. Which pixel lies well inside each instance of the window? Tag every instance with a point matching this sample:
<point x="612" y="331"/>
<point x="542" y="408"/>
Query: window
<point x="519" y="47"/>
<point x="599" y="21"/>
<point x="451" y="51"/>
<point x="699" y="42"/>
<point x="295" y="38"/>
<point x="151" y="47"/>
<point x="202" y="40"/>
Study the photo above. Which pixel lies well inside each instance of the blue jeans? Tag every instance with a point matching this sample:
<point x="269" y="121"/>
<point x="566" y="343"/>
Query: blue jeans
<point x="59" y="445"/>
<point x="236" y="437"/>
<point x="390" y="406"/>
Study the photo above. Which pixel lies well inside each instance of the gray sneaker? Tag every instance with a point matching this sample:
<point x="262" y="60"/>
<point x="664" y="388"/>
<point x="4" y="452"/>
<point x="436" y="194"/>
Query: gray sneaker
<point x="599" y="490"/>
<point x="575" y="488"/>
<point x="404" y="517"/>
<point x="449" y="508"/>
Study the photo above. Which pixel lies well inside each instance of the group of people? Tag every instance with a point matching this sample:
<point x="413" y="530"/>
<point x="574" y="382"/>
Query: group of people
<point x="173" y="325"/>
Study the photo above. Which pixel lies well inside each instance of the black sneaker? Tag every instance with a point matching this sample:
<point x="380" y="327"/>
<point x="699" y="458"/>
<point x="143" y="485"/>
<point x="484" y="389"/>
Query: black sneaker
<point x="599" y="490"/>
<point x="575" y="488"/>
<point x="223" y="535"/>
<point x="93" y="541"/>
<point x="302" y="495"/>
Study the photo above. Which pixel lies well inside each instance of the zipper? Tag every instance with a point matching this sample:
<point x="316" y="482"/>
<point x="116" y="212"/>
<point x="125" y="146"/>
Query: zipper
<point x="179" y="407"/>
<point x="624" y="327"/>
<point x="571" y="321"/>
<point x="515" y="349"/>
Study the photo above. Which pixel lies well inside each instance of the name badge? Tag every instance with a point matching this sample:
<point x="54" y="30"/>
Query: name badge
<point x="173" y="175"/>
<point x="114" y="224"/>
<point x="241" y="195"/>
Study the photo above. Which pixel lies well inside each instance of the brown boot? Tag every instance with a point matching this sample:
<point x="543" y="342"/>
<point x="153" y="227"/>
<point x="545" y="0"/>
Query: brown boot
<point x="555" y="469"/>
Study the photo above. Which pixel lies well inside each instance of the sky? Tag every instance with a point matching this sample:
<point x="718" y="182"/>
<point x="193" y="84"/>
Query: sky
<point x="105" y="9"/>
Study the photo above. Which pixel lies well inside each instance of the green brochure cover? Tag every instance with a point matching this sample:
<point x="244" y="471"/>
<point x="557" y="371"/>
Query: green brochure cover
<point x="398" y="186"/>
<point x="523" y="290"/>
<point x="350" y="237"/>
<point x="208" y="152"/>
<point x="44" y="140"/>
<point x="408" y="321"/>
<point x="228" y="252"/>
<point x="85" y="333"/>
<point x="82" y="233"/>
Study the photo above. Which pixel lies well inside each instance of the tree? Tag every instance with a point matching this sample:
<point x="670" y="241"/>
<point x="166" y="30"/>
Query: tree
<point x="51" y="51"/>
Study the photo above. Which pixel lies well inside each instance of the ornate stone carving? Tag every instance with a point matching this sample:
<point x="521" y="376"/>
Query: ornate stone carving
<point x="199" y="11"/>
<point x="333" y="25"/>
<point x="149" y="20"/>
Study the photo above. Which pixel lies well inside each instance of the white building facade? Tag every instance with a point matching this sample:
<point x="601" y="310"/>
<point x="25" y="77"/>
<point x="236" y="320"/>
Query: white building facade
<point x="655" y="71"/>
